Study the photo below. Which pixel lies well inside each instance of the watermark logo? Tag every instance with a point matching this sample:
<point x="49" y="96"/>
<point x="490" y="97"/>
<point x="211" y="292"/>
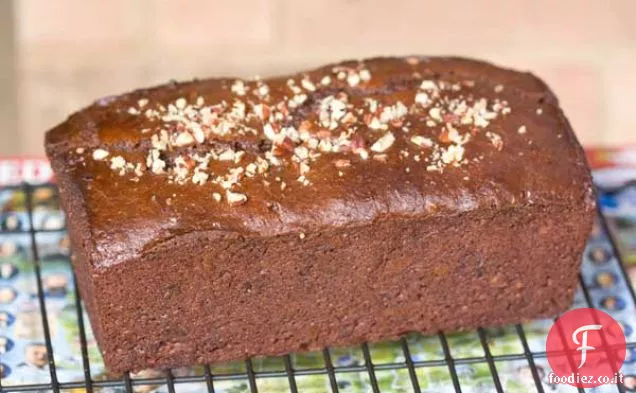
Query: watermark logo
<point x="586" y="348"/>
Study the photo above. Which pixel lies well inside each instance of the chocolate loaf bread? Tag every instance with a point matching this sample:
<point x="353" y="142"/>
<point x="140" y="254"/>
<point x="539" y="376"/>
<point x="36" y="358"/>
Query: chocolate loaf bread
<point x="225" y="218"/>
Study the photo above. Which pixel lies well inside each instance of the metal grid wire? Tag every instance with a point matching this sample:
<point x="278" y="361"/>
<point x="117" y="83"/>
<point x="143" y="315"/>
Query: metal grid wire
<point x="209" y="379"/>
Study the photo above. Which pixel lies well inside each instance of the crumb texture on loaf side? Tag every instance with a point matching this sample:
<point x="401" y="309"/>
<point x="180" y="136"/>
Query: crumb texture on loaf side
<point x="271" y="296"/>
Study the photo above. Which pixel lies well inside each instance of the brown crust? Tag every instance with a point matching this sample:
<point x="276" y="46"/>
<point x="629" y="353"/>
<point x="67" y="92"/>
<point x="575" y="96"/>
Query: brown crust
<point x="306" y="242"/>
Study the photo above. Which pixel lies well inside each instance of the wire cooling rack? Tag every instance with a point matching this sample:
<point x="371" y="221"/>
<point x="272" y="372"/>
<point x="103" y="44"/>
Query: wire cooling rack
<point x="46" y="343"/>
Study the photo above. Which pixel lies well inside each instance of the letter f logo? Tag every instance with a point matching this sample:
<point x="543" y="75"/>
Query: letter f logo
<point x="583" y="344"/>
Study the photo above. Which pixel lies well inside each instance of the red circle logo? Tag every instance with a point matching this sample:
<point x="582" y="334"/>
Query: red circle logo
<point x="586" y="348"/>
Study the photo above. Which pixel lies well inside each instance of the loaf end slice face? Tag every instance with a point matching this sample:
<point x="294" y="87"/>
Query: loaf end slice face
<point x="226" y="218"/>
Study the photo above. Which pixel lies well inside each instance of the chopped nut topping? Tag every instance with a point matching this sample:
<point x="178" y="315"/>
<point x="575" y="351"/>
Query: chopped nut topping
<point x="227" y="155"/>
<point x="353" y="79"/>
<point x="262" y="90"/>
<point x="307" y="85"/>
<point x="453" y="154"/>
<point x="199" y="178"/>
<point x="304" y="168"/>
<point x="331" y="110"/>
<point x="380" y="157"/>
<point x="428" y="85"/>
<point x="138" y="170"/>
<point x="181" y="103"/>
<point x="238" y="87"/>
<point x="435" y="113"/>
<point x="235" y="198"/>
<point x="383" y="143"/>
<point x="394" y="112"/>
<point x="244" y="138"/>
<point x="365" y="75"/>
<point x="100" y="154"/>
<point x="376" y="124"/>
<point x="422" y="141"/>
<point x="372" y="104"/>
<point x="117" y="163"/>
<point x="495" y="139"/>
<point x="262" y="111"/>
<point x="298" y="100"/>
<point x="155" y="163"/>
<point x="184" y="139"/>
<point x="422" y="98"/>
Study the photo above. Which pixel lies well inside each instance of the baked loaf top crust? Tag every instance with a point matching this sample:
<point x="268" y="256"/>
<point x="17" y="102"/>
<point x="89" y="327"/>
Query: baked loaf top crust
<point x="342" y="145"/>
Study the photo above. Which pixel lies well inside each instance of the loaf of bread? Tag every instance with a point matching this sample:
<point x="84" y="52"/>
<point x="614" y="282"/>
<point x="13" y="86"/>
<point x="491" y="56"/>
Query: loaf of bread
<point x="226" y="218"/>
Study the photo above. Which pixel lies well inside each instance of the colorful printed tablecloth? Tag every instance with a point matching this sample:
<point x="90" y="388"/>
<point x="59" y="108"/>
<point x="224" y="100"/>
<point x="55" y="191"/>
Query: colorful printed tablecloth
<point x="23" y="355"/>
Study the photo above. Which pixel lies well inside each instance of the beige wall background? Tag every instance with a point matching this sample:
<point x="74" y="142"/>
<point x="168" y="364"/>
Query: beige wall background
<point x="59" y="55"/>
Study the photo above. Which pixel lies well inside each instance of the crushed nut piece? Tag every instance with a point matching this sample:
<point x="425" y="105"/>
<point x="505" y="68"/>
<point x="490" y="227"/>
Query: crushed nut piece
<point x="307" y="85"/>
<point x="117" y="163"/>
<point x="453" y="154"/>
<point x="184" y="139"/>
<point x="353" y="79"/>
<point x="200" y="178"/>
<point x="235" y="198"/>
<point x="422" y="141"/>
<point x="181" y="103"/>
<point x="495" y="139"/>
<point x="100" y="154"/>
<point x="428" y="85"/>
<point x="238" y="87"/>
<point x="435" y="113"/>
<point x="383" y="143"/>
<point x="422" y="98"/>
